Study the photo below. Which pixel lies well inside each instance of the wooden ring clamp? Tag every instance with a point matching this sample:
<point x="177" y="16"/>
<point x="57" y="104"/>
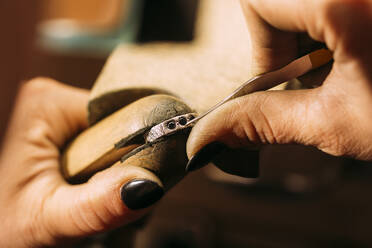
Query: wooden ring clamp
<point x="168" y="118"/>
<point x="136" y="90"/>
<point x="121" y="136"/>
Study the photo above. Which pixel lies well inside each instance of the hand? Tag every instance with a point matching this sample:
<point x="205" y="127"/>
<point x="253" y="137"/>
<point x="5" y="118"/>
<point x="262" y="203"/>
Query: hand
<point x="37" y="207"/>
<point x="335" y="117"/>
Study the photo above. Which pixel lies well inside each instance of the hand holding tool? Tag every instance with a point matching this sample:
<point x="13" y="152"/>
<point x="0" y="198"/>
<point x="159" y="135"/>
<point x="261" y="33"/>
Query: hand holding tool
<point x="261" y="82"/>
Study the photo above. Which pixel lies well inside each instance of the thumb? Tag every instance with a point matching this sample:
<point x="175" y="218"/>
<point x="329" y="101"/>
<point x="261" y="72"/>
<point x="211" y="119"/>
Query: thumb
<point x="111" y="198"/>
<point x="271" y="117"/>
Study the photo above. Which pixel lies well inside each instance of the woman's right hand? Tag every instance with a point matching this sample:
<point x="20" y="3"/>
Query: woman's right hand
<point x="335" y="117"/>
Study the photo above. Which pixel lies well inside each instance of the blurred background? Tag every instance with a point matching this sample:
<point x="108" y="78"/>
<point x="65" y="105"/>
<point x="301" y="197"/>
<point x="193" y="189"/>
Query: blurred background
<point x="305" y="199"/>
<point x="70" y="40"/>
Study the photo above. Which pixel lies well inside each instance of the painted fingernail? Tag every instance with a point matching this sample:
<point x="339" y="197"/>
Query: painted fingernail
<point x="140" y="193"/>
<point x="205" y="155"/>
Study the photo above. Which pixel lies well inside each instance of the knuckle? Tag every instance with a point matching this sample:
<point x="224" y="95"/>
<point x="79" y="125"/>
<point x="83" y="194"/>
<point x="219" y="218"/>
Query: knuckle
<point x="95" y="214"/>
<point x="253" y="120"/>
<point x="334" y="129"/>
<point x="240" y="124"/>
<point x="335" y="143"/>
<point x="85" y="218"/>
<point x="35" y="89"/>
<point x="37" y="84"/>
<point x="266" y="131"/>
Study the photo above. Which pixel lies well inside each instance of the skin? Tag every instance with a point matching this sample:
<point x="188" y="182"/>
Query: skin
<point x="37" y="207"/>
<point x="335" y="117"/>
<point x="34" y="208"/>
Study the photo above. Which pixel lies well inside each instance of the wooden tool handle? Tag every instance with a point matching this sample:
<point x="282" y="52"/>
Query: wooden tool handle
<point x="320" y="57"/>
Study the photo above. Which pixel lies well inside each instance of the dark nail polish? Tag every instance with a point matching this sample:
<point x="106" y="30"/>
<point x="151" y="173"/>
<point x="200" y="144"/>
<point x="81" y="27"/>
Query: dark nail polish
<point x="205" y="155"/>
<point x="140" y="193"/>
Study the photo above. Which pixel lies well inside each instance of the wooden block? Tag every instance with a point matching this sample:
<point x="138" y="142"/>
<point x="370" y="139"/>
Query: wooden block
<point x="95" y="150"/>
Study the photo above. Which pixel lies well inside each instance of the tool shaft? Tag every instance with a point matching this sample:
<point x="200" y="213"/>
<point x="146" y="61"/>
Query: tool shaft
<point x="269" y="80"/>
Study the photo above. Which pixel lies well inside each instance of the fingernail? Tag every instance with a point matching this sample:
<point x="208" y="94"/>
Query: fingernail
<point x="205" y="155"/>
<point x="140" y="193"/>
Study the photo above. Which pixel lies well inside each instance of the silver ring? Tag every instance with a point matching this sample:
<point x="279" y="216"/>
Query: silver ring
<point x="170" y="126"/>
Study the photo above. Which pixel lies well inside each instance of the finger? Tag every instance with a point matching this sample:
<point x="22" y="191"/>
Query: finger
<point x="340" y="24"/>
<point x="288" y="15"/>
<point x="271" y="48"/>
<point x="277" y="117"/>
<point x="71" y="113"/>
<point x="279" y="33"/>
<point x="45" y="116"/>
<point x="111" y="198"/>
<point x="56" y="110"/>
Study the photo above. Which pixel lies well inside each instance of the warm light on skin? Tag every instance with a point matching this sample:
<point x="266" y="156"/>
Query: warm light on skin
<point x="335" y="117"/>
<point x="51" y="210"/>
